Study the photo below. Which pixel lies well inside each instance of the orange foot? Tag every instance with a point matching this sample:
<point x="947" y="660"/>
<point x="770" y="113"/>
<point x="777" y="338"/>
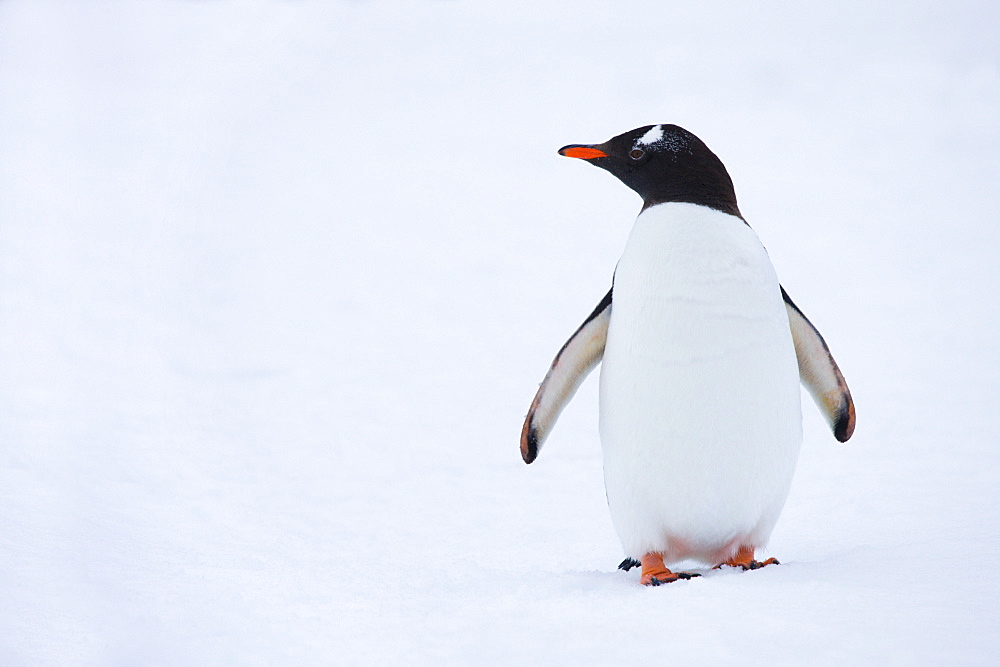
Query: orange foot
<point x="744" y="559"/>
<point x="654" y="572"/>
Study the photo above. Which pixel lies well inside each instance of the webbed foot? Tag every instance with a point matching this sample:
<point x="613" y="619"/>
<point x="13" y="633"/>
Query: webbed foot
<point x="744" y="559"/>
<point x="655" y="573"/>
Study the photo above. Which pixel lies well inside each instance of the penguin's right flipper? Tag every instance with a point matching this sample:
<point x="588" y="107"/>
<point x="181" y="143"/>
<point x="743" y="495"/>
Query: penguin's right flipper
<point x="581" y="353"/>
<point x="820" y="373"/>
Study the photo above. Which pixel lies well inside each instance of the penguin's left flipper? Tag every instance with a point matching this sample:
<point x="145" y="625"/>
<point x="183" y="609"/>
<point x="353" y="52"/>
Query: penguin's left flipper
<point x="581" y="353"/>
<point x="820" y="373"/>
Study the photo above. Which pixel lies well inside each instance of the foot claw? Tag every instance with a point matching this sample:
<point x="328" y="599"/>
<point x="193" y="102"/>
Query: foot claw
<point x="669" y="577"/>
<point x="658" y="579"/>
<point x="628" y="564"/>
<point x="655" y="573"/>
<point x="748" y="565"/>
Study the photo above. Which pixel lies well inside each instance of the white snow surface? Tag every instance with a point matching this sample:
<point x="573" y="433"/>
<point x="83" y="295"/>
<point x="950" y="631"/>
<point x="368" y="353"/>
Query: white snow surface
<point x="278" y="281"/>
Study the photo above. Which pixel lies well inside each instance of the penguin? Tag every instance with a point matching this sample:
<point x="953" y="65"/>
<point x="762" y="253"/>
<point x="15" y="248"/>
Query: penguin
<point x="702" y="354"/>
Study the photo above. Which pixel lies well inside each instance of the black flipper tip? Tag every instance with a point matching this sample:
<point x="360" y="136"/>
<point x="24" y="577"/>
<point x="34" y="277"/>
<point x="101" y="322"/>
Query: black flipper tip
<point x="529" y="445"/>
<point x="843" y="427"/>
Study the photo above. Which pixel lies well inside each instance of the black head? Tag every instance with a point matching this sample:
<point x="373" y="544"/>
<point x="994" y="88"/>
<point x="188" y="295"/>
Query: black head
<point x="663" y="163"/>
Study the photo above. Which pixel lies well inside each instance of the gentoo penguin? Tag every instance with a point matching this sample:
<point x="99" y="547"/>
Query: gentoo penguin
<point x="703" y="351"/>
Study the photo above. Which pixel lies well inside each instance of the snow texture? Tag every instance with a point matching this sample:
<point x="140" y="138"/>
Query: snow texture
<point x="273" y="305"/>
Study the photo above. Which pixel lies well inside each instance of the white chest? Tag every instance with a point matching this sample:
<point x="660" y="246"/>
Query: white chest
<point x="700" y="416"/>
<point x="693" y="282"/>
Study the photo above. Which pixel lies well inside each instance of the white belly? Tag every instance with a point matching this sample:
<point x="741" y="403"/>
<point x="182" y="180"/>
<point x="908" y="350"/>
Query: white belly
<point x="700" y="409"/>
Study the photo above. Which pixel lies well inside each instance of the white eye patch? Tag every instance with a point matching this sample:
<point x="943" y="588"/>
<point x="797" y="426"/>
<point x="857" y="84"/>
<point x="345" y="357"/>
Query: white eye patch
<point x="656" y="139"/>
<point x="652" y="135"/>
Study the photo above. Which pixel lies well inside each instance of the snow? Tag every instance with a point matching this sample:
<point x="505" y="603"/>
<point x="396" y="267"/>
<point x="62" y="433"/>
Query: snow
<point x="265" y="353"/>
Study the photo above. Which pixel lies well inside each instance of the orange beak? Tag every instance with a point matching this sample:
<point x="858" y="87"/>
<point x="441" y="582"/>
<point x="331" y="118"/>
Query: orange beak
<point x="582" y="152"/>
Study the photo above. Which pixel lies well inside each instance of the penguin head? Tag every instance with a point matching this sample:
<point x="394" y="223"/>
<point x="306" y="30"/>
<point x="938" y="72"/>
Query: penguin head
<point x="663" y="163"/>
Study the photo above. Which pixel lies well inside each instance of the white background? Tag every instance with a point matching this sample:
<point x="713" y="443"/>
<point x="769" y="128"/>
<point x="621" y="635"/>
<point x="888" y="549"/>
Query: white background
<point x="278" y="281"/>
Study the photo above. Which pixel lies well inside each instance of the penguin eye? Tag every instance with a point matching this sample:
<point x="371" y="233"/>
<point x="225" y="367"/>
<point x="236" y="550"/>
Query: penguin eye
<point x="636" y="153"/>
